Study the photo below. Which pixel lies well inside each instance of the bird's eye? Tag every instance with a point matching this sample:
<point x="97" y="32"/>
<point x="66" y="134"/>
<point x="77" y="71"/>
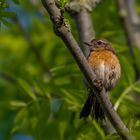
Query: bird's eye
<point x="99" y="42"/>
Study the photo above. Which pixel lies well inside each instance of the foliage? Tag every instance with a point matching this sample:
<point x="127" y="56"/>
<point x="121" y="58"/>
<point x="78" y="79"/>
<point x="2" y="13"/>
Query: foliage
<point x="46" y="105"/>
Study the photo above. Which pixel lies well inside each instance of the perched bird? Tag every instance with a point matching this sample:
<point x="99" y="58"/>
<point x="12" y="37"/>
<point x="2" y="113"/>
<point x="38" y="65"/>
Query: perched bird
<point x="106" y="68"/>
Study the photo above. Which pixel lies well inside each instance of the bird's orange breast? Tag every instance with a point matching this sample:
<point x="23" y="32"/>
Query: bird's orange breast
<point x="97" y="57"/>
<point x="106" y="68"/>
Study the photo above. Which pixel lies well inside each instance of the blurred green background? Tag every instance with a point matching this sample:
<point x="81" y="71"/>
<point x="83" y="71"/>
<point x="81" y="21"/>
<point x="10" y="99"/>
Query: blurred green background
<point x="41" y="87"/>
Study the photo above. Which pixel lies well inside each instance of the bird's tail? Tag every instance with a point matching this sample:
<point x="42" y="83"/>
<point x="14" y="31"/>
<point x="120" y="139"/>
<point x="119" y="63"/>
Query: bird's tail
<point x="93" y="107"/>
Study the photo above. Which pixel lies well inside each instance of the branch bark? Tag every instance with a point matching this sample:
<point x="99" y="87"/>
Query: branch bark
<point x="131" y="24"/>
<point x="130" y="21"/>
<point x="62" y="30"/>
<point x="85" y="28"/>
<point x="83" y="20"/>
<point x="134" y="21"/>
<point x="81" y="13"/>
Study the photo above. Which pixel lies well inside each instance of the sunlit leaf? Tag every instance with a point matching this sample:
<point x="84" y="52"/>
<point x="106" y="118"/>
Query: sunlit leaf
<point x="27" y="89"/>
<point x="62" y="129"/>
<point x="136" y="88"/>
<point x="122" y="96"/>
<point x="20" y="116"/>
<point x="13" y="104"/>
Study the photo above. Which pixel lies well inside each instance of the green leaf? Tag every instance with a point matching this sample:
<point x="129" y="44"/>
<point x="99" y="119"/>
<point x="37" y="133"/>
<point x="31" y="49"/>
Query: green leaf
<point x="108" y="33"/>
<point x="40" y="88"/>
<point x="20" y="115"/>
<point x="137" y="124"/>
<point x="62" y="129"/>
<point x="65" y="70"/>
<point x="134" y="105"/>
<point x="98" y="128"/>
<point x="17" y="104"/>
<point x="122" y="96"/>
<point x="19" y="120"/>
<point x="128" y="71"/>
<point x="63" y="2"/>
<point x="16" y="1"/>
<point x="13" y="104"/>
<point x="136" y="88"/>
<point x="3" y="4"/>
<point x="71" y="100"/>
<point x="27" y="89"/>
<point x="114" y="136"/>
<point x="7" y="14"/>
<point x="5" y="22"/>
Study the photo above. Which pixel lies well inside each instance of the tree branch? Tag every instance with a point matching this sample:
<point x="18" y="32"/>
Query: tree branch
<point x="62" y="30"/>
<point x="83" y="20"/>
<point x="81" y="12"/>
<point x="131" y="24"/>
<point x="130" y="21"/>
<point x="85" y="28"/>
<point x="134" y="20"/>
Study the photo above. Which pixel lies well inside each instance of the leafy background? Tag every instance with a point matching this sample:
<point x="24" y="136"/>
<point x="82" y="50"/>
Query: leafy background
<point x="40" y="102"/>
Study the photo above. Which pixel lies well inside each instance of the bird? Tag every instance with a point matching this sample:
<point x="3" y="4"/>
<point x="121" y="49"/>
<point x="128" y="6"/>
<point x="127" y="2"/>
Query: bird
<point x="106" y="69"/>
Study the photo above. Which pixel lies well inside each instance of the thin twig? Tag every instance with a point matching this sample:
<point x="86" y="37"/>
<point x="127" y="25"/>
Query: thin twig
<point x="62" y="30"/>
